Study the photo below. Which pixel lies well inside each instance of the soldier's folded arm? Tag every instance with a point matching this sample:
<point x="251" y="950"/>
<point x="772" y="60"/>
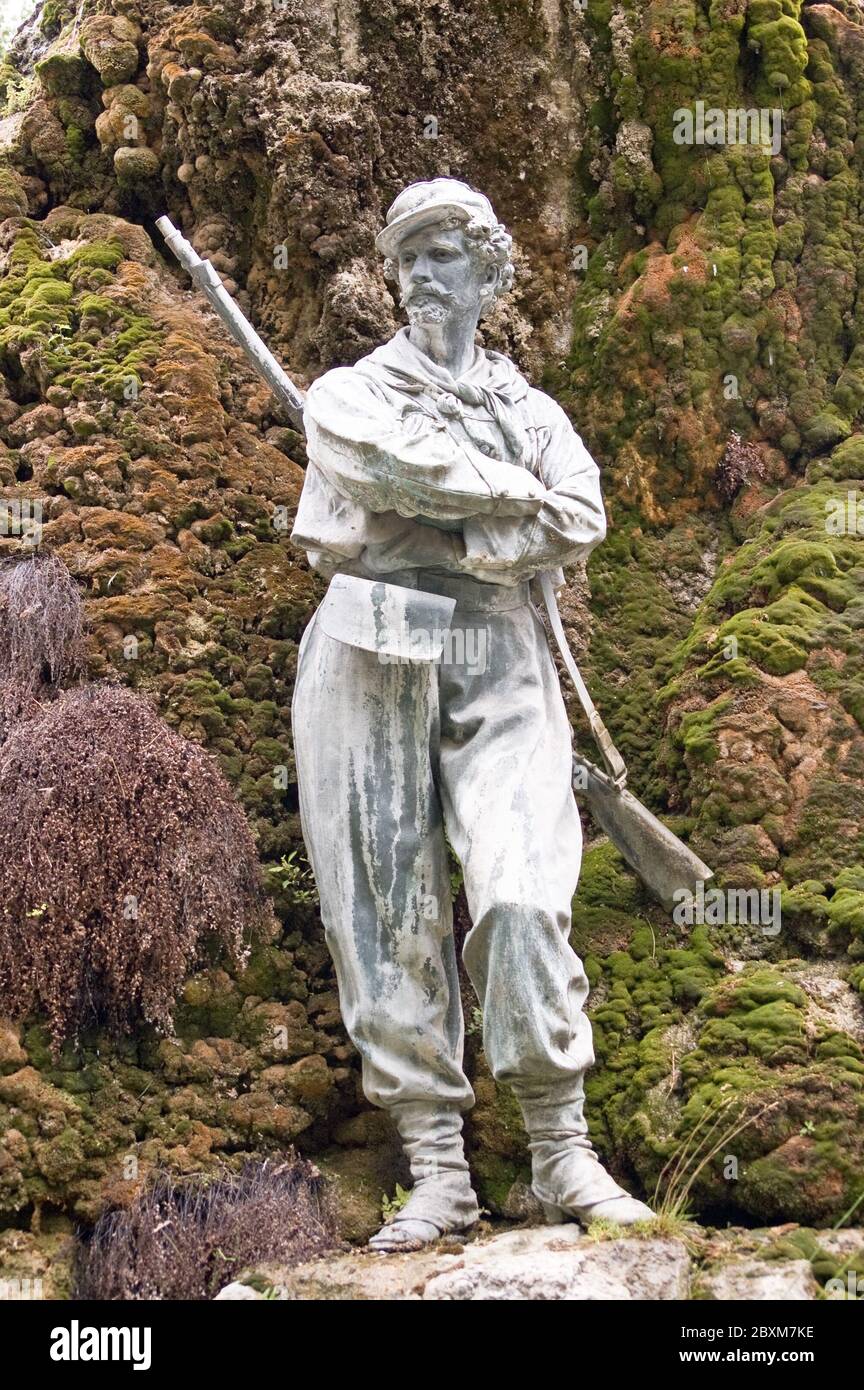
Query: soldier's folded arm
<point x="336" y="532"/>
<point x="571" y="520"/>
<point x="387" y="462"/>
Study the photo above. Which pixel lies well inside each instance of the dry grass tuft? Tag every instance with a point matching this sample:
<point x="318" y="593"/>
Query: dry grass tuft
<point x="187" y="1238"/>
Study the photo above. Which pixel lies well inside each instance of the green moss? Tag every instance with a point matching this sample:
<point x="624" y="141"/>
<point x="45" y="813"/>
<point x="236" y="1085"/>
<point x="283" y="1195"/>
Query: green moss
<point x="604" y="879"/>
<point x="105" y="255"/>
<point x="494" y="1176"/>
<point x="805" y="1244"/>
<point x="62" y="71"/>
<point x="13" y="199"/>
<point x="791" y="599"/>
<point x="682" y="1045"/>
<point x="209" y="1007"/>
<point x="639" y="621"/>
<point x="826" y="429"/>
<point x="697" y="730"/>
<point x="60" y="1159"/>
<point x="845" y="912"/>
<point x="847" y="460"/>
<point x="42" y="304"/>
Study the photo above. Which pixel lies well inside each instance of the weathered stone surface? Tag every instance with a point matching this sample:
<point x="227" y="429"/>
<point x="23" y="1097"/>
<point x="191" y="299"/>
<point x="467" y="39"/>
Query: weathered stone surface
<point x="790" y="1282"/>
<point x="623" y="1269"/>
<point x="785" y="1263"/>
<point x="237" y="1293"/>
<point x="546" y="1264"/>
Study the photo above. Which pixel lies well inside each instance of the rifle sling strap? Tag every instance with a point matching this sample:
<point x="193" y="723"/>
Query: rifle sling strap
<point x="615" y="764"/>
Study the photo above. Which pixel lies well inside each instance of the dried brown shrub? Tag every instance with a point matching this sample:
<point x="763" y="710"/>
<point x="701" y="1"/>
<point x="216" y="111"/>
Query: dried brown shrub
<point x="187" y="1238"/>
<point x="122" y="855"/>
<point x="739" y="465"/>
<point x="41" y="623"/>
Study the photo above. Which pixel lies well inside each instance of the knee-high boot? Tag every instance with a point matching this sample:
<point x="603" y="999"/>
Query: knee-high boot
<point x="442" y="1198"/>
<point x="567" y="1176"/>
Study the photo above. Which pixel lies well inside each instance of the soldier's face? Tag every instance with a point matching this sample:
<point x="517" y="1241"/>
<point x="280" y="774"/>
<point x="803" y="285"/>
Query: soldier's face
<point x="438" y="276"/>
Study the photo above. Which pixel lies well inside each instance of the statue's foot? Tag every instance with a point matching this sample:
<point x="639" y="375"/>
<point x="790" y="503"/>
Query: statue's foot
<point x="624" y="1211"/>
<point x="572" y="1185"/>
<point x="404" y="1235"/>
<point x="433" y="1209"/>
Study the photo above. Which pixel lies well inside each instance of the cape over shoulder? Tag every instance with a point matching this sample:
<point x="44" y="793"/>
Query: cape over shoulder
<point x="340" y="388"/>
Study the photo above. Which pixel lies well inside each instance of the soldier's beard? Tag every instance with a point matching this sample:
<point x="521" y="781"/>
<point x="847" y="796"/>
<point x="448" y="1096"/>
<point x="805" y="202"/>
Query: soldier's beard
<point x="425" y="307"/>
<point x="427" y="313"/>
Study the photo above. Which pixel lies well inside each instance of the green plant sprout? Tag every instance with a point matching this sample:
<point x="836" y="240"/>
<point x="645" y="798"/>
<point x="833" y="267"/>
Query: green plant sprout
<point x="294" y="878"/>
<point x="475" y="1023"/>
<point x="390" y="1205"/>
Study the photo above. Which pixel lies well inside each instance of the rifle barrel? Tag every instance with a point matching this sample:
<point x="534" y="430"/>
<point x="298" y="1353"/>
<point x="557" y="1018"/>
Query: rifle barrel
<point x="206" y="278"/>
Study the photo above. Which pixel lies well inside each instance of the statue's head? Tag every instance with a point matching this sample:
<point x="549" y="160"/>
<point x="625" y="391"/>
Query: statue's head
<point x="446" y="249"/>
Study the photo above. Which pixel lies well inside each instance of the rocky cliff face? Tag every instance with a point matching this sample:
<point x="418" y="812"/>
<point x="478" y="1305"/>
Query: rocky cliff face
<point x="696" y="308"/>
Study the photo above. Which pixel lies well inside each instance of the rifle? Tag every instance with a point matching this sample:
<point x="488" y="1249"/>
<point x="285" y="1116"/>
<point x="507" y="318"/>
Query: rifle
<point x="241" y="330"/>
<point x="664" y="863"/>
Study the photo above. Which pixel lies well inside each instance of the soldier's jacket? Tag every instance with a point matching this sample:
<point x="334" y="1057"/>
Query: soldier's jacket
<point x="480" y="475"/>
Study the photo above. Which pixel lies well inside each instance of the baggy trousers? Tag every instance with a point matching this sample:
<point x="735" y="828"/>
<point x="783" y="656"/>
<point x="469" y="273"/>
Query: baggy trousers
<point x="389" y="754"/>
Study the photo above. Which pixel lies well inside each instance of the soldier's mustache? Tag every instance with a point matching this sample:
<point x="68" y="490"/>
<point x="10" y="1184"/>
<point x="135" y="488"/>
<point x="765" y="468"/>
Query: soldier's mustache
<point x="422" y="293"/>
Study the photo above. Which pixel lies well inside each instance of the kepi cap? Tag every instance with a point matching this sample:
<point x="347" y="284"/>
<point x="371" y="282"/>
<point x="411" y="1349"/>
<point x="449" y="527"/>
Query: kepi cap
<point x="420" y="204"/>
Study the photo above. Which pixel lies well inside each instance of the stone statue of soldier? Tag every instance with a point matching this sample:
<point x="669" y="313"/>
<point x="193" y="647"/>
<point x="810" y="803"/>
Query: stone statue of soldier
<point x="439" y="484"/>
